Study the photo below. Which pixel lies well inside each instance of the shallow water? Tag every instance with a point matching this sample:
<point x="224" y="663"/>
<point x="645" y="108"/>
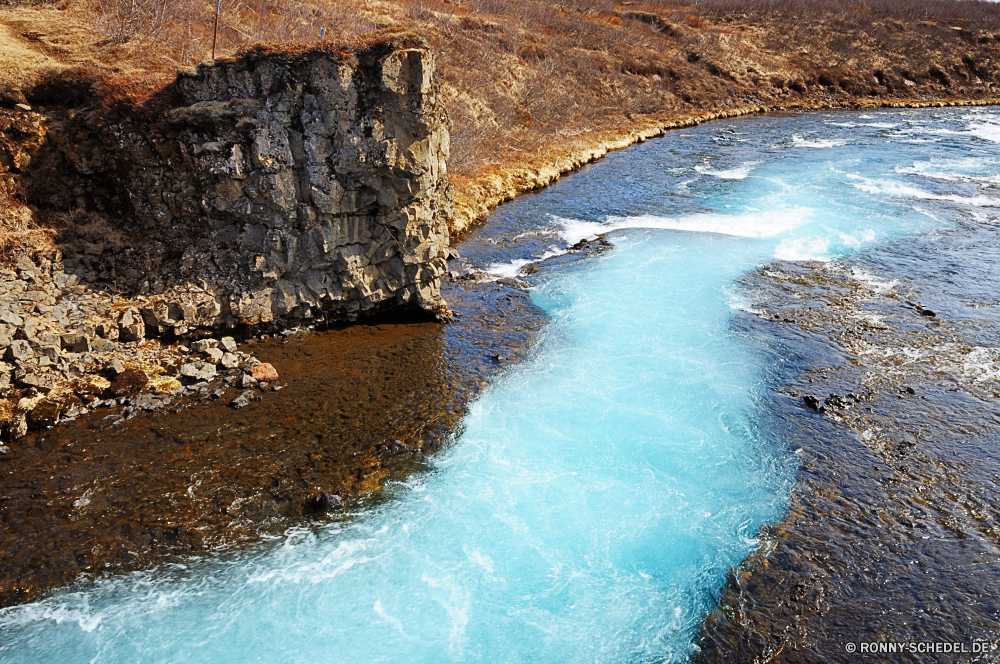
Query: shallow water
<point x="598" y="492"/>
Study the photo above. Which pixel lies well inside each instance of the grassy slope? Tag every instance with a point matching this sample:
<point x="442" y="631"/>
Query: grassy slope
<point x="535" y="87"/>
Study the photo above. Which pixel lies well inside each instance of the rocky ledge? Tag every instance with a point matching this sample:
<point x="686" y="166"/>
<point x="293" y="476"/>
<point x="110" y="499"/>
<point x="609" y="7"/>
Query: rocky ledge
<point x="284" y="187"/>
<point x="68" y="350"/>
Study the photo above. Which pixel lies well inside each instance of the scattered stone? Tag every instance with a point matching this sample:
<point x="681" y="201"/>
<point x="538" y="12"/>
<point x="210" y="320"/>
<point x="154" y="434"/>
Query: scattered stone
<point x="264" y="373"/>
<point x="812" y="403"/>
<point x="398" y="447"/>
<point x="108" y="422"/>
<point x="147" y="402"/>
<point x="11" y="318"/>
<point x="324" y="502"/>
<point x="198" y="371"/>
<point x="4" y="449"/>
<point x="229" y="361"/>
<point x="36" y="377"/>
<point x="214" y="355"/>
<point x="115" y="366"/>
<point x="91" y="384"/>
<point x="107" y="331"/>
<point x="244" y="399"/>
<point x="227" y="344"/>
<point x="249" y="381"/>
<point x="927" y="312"/>
<point x="75" y="343"/>
<point x="131" y="327"/>
<point x="17" y="427"/>
<point x="129" y="382"/>
<point x="203" y="345"/>
<point x="46" y="413"/>
<point x="19" y="350"/>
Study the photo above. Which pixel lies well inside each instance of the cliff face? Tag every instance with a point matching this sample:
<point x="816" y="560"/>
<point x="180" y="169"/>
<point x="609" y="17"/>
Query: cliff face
<point x="288" y="184"/>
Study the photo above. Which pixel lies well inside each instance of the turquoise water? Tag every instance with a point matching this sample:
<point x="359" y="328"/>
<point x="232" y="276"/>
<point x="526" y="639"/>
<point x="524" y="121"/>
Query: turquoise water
<point x="598" y="492"/>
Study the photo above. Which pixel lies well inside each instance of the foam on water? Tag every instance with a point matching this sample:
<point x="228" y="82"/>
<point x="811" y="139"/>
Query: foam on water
<point x="738" y="173"/>
<point x="599" y="491"/>
<point x="800" y="142"/>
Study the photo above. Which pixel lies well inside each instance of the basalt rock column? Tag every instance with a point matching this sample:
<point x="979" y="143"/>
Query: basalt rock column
<point x="287" y="183"/>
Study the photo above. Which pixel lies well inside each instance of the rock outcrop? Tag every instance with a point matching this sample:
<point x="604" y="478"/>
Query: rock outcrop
<point x="273" y="190"/>
<point x="285" y="184"/>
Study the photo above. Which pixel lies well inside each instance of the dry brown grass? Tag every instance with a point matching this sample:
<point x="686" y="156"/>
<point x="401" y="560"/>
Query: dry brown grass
<point x="20" y="232"/>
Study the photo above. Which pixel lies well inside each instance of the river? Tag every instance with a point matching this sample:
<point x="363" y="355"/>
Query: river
<point x="596" y="494"/>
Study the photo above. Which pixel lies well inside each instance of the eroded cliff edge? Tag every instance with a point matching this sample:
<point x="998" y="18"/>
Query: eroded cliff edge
<point x="287" y="184"/>
<point x="280" y="188"/>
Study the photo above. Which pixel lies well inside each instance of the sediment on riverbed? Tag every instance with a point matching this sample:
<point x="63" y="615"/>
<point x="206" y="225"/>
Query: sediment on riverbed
<point x="353" y="406"/>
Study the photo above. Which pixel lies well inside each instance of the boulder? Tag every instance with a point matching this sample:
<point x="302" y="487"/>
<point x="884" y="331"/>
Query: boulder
<point x="129" y="383"/>
<point x="264" y="373"/>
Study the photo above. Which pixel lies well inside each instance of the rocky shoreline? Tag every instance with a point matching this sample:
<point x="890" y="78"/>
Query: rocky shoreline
<point x="892" y="532"/>
<point x="220" y="463"/>
<point x="68" y="351"/>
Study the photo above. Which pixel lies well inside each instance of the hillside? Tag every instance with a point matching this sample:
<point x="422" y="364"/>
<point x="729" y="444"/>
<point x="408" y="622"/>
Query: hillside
<point x="533" y="88"/>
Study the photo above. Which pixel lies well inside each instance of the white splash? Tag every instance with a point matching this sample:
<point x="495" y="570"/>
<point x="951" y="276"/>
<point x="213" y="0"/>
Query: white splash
<point x="803" y="249"/>
<point x="800" y="142"/>
<point x="738" y="173"/>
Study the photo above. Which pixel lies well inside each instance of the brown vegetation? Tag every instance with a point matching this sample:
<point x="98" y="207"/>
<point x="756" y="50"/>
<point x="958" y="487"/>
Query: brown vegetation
<point x="536" y="87"/>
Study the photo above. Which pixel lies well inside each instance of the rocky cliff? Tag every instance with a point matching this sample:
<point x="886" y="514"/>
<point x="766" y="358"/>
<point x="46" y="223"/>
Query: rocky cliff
<point x="283" y="184"/>
<point x="280" y="188"/>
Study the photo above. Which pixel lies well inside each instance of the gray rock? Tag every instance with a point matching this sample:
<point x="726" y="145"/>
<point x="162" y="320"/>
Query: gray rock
<point x="214" y="355"/>
<point x="245" y="399"/>
<point x="75" y="343"/>
<point x="10" y="318"/>
<point x="227" y="344"/>
<point x="36" y="377"/>
<point x="103" y="346"/>
<point x="107" y="331"/>
<point x="203" y="345"/>
<point x="115" y="366"/>
<point x="108" y="422"/>
<point x="131" y="327"/>
<point x="198" y="371"/>
<point x="19" y="350"/>
<point x="249" y="381"/>
<point x="229" y="361"/>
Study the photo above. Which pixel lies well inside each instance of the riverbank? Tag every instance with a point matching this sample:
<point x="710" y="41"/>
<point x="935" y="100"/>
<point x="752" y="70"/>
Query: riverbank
<point x="892" y="532"/>
<point x="479" y="196"/>
<point x="354" y="407"/>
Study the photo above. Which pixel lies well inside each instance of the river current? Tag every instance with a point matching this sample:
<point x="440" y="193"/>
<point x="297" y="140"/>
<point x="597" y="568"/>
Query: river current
<point x="596" y="494"/>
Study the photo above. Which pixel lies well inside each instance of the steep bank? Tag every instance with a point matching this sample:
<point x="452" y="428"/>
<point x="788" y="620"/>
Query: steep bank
<point x="356" y="406"/>
<point x="283" y="188"/>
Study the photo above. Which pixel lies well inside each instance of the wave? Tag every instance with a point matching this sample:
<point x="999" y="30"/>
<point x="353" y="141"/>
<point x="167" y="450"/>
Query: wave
<point x="738" y="173"/>
<point x="987" y="129"/>
<point x="896" y="189"/>
<point x="941" y="170"/>
<point x="752" y="225"/>
<point x="803" y="249"/>
<point x="800" y="142"/>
